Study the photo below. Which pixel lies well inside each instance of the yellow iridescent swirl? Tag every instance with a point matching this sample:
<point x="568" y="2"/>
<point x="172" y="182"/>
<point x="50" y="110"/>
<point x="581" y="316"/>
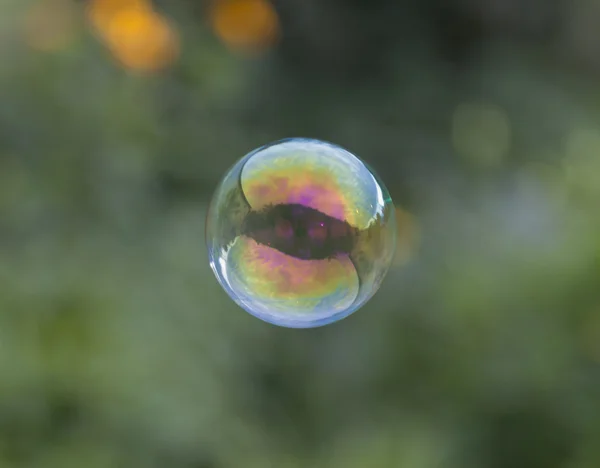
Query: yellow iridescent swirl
<point x="317" y="175"/>
<point x="283" y="285"/>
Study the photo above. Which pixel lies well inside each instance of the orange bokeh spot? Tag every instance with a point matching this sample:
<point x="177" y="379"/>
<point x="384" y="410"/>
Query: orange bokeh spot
<point x="102" y="12"/>
<point x="245" y="25"/>
<point x="140" y="38"/>
<point x="50" y="25"/>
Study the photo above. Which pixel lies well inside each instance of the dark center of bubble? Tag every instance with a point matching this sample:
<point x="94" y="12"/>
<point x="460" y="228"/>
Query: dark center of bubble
<point x="300" y="231"/>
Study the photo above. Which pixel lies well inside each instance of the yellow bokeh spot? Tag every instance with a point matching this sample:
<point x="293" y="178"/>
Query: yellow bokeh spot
<point x="139" y="37"/>
<point x="102" y="12"/>
<point x="142" y="40"/>
<point x="49" y="25"/>
<point x="481" y="133"/>
<point x="248" y="26"/>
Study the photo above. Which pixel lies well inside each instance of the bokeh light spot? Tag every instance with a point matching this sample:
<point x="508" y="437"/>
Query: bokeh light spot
<point x="137" y="36"/>
<point x="247" y="26"/>
<point x="481" y="133"/>
<point x="102" y="12"/>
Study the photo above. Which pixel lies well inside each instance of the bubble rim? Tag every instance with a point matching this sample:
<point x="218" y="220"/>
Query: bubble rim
<point x="291" y="322"/>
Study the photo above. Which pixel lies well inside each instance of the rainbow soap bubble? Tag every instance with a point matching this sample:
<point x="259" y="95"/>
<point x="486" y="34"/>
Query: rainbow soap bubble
<point x="300" y="233"/>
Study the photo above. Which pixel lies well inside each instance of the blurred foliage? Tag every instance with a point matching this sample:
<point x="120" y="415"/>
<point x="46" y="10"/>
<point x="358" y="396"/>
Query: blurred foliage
<point x="117" y="346"/>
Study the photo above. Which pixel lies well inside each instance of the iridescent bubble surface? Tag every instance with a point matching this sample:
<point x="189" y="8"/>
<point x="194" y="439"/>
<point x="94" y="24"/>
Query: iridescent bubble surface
<point x="300" y="233"/>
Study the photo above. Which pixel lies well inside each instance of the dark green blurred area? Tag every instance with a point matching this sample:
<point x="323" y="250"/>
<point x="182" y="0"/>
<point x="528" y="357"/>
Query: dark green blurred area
<point x="482" y="349"/>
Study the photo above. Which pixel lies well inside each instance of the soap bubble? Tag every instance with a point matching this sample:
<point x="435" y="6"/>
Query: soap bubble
<point x="300" y="233"/>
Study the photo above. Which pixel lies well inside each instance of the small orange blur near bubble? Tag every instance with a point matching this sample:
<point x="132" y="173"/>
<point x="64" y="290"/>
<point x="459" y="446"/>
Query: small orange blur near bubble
<point x="50" y="25"/>
<point x="138" y="37"/>
<point x="247" y="26"/>
<point x="408" y="237"/>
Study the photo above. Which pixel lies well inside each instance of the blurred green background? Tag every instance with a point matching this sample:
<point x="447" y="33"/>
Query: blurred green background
<point x="119" y="349"/>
